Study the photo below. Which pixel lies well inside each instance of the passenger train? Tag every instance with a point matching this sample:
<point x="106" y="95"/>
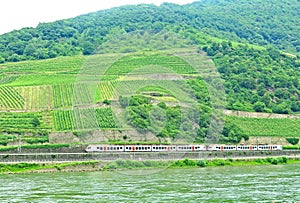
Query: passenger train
<point x="179" y="148"/>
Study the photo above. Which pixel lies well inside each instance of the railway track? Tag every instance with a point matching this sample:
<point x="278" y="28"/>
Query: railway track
<point x="139" y="156"/>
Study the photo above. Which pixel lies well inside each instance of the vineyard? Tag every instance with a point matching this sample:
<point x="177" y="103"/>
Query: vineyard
<point x="129" y="63"/>
<point x="61" y="65"/>
<point x="73" y="94"/>
<point x="8" y="79"/>
<point x="22" y="122"/>
<point x="279" y="127"/>
<point x="10" y="99"/>
<point x="36" y="97"/>
<point x="84" y="119"/>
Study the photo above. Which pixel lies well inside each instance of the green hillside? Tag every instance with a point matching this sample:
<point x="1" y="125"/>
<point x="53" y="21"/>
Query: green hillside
<point x="84" y="95"/>
<point x="166" y="72"/>
<point x="150" y="91"/>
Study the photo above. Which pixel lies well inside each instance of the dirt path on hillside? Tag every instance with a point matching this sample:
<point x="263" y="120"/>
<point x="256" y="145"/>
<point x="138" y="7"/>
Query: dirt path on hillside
<point x="259" y="115"/>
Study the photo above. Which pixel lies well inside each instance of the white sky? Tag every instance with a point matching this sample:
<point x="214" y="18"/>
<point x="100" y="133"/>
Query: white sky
<point x="16" y="14"/>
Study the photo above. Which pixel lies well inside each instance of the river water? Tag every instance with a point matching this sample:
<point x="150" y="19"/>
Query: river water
<point x="215" y="184"/>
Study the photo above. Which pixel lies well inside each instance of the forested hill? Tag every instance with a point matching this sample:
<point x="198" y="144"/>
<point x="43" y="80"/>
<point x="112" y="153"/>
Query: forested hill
<point x="262" y="22"/>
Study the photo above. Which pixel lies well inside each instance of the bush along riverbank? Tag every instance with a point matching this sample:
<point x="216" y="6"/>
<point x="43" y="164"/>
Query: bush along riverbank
<point x="188" y="163"/>
<point x="145" y="164"/>
<point x="51" y="167"/>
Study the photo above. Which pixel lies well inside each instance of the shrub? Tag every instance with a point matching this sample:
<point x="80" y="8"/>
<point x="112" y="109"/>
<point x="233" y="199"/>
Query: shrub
<point x="292" y="140"/>
<point x="274" y="161"/>
<point x="201" y="163"/>
<point x="107" y="102"/>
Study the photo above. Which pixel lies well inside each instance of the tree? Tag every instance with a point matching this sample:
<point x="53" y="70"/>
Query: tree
<point x="2" y="60"/>
<point x="88" y="48"/>
<point x="259" y="106"/>
<point x="292" y="140"/>
<point x="233" y="133"/>
<point x="35" y="122"/>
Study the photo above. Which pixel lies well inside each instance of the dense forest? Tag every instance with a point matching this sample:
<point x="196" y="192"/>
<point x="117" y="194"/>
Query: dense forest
<point x="269" y="22"/>
<point x="257" y="80"/>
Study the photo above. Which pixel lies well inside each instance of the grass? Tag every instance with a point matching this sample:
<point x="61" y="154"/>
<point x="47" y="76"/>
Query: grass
<point x="35" y="167"/>
<point x="34" y="146"/>
<point x="292" y="147"/>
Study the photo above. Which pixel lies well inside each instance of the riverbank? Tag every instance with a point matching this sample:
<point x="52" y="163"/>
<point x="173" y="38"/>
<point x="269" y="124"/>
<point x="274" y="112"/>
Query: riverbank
<point x="119" y="164"/>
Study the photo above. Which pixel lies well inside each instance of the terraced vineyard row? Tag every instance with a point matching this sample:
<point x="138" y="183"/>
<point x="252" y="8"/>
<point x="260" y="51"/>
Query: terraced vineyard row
<point x="10" y="99"/>
<point x="105" y="118"/>
<point x="21" y="122"/>
<point x="67" y="95"/>
<point x="106" y="90"/>
<point x="84" y="119"/>
<point x="175" y="88"/>
<point x="37" y="97"/>
<point x="54" y="66"/>
<point x="8" y="79"/>
<point x="45" y="97"/>
<point x="63" y="95"/>
<point x="130" y="63"/>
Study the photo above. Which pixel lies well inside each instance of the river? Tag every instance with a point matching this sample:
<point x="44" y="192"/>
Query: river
<point x="213" y="184"/>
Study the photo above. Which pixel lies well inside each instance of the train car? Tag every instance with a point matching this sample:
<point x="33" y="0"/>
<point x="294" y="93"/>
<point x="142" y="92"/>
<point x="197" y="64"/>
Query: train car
<point x="190" y="148"/>
<point x="246" y="147"/>
<point x="269" y="147"/>
<point x="224" y="148"/>
<point x="163" y="148"/>
<point x="105" y="148"/>
<point x="137" y="148"/>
